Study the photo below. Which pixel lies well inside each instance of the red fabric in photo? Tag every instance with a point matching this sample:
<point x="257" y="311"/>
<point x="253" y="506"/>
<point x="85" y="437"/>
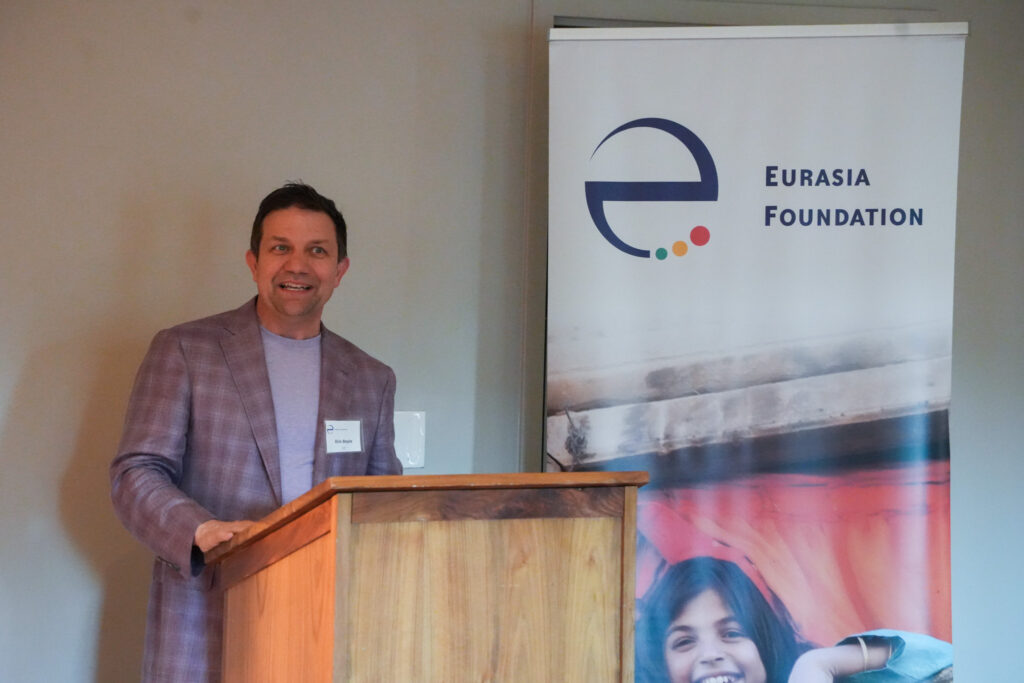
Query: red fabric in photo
<point x="844" y="552"/>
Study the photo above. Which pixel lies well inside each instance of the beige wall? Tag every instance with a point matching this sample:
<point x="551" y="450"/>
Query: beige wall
<point x="137" y="138"/>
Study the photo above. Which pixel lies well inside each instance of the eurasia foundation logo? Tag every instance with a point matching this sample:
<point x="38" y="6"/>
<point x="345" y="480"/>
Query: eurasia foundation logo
<point x="703" y="190"/>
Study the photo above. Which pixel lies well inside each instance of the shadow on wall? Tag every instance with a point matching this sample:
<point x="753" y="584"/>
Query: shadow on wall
<point x="75" y="575"/>
<point x="81" y="579"/>
<point x="121" y="564"/>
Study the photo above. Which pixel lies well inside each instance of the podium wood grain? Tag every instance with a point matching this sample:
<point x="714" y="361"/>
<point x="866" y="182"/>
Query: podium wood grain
<point x="512" y="581"/>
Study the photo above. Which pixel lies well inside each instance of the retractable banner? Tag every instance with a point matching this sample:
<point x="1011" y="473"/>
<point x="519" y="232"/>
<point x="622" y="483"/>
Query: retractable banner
<point x="750" y="291"/>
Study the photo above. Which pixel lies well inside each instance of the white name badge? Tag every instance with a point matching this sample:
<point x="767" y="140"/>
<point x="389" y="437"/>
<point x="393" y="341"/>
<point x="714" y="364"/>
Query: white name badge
<point x="343" y="436"/>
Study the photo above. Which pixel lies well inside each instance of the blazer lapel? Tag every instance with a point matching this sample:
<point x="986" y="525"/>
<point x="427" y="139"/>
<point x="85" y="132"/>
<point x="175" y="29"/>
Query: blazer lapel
<point x="335" y="400"/>
<point x="243" y="351"/>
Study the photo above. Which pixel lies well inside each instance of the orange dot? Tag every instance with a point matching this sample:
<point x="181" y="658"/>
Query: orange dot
<point x="680" y="248"/>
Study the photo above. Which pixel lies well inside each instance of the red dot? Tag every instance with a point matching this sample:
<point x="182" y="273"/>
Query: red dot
<point x="700" y="235"/>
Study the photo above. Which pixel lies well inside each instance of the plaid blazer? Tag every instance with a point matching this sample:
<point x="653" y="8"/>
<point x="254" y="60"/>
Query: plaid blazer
<point x="200" y="442"/>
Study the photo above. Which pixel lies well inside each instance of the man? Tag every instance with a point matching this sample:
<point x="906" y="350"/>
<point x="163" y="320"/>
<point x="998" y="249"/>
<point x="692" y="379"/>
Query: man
<point x="228" y="420"/>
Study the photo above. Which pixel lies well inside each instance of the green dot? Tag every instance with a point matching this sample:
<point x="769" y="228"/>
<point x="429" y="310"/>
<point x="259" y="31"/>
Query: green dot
<point x="662" y="254"/>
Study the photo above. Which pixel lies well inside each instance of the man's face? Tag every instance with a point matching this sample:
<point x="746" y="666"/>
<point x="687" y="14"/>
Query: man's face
<point x="296" y="271"/>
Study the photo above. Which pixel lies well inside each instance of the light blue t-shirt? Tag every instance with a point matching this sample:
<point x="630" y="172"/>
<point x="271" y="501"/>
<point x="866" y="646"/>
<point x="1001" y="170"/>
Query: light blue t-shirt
<point x="294" y="369"/>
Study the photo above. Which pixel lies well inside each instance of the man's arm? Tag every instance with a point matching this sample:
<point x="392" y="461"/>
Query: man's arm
<point x="148" y="467"/>
<point x="383" y="459"/>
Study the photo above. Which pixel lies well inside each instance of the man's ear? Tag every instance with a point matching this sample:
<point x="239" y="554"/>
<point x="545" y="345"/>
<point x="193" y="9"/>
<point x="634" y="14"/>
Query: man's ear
<point x="343" y="265"/>
<point x="250" y="260"/>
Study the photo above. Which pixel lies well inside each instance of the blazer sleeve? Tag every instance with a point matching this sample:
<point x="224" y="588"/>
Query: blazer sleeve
<point x="383" y="459"/>
<point x="146" y="472"/>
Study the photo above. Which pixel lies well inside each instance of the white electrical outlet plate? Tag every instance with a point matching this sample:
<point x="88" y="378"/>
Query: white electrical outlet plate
<point x="411" y="438"/>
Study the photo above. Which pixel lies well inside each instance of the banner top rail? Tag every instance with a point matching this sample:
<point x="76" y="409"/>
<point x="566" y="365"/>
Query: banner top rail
<point x="729" y="32"/>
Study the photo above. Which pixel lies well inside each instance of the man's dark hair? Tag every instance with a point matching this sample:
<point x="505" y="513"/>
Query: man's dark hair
<point x="304" y="197"/>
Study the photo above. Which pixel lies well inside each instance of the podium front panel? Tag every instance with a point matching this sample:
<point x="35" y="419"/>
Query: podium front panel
<point x="457" y="584"/>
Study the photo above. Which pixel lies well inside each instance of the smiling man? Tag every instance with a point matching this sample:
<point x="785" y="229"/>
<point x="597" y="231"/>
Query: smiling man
<point x="229" y="417"/>
<point x="297" y="261"/>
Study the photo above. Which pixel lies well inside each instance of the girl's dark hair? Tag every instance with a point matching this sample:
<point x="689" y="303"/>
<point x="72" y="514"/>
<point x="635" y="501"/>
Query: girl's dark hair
<point x="768" y="624"/>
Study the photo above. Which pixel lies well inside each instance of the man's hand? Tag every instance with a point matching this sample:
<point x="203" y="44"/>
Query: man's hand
<point x="213" y="532"/>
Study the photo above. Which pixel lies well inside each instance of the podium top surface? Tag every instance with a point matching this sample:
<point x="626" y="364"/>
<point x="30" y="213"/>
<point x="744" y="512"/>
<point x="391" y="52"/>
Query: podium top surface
<point x="421" y="482"/>
<point x="483" y="481"/>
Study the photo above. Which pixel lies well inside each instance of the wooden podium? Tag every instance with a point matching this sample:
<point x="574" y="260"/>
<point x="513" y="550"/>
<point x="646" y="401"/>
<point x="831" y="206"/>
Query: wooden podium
<point x="505" y="577"/>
